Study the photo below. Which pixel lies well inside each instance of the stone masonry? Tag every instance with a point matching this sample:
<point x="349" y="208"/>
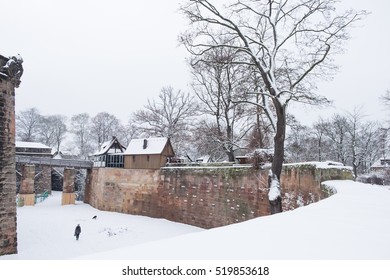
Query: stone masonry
<point x="8" y="238"/>
<point x="26" y="191"/>
<point x="68" y="195"/>
<point x="132" y="191"/>
<point x="43" y="179"/>
<point x="205" y="197"/>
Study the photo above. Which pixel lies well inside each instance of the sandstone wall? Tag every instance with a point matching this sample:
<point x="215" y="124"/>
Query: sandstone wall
<point x="301" y="183"/>
<point x="8" y="239"/>
<point x="132" y="191"/>
<point x="206" y="197"/>
<point x="212" y="197"/>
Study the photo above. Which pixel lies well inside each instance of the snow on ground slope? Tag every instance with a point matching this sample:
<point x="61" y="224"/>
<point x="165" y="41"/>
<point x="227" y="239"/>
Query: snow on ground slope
<point x="352" y="224"/>
<point x="45" y="231"/>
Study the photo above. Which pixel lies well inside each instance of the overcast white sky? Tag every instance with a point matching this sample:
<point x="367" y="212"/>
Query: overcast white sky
<point x="93" y="55"/>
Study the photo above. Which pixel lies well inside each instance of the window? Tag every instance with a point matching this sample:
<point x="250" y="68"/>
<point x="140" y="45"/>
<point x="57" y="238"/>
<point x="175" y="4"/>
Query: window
<point x="115" y="161"/>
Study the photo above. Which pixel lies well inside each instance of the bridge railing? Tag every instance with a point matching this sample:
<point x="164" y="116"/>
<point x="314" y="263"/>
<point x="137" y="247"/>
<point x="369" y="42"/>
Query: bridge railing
<point x="75" y="163"/>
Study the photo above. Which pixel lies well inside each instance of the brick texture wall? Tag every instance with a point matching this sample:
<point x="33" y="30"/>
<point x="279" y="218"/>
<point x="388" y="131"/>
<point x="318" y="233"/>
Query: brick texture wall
<point x="132" y="191"/>
<point x="8" y="238"/>
<point x="204" y="197"/>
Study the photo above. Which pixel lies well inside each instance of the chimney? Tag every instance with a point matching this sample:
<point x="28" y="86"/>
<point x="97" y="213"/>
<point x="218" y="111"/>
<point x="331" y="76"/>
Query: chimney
<point x="145" y="144"/>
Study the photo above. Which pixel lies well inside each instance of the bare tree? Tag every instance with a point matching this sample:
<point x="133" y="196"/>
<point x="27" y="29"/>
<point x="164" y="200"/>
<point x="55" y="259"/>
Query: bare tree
<point x="79" y="127"/>
<point x="205" y="142"/>
<point x="60" y="130"/>
<point x="263" y="128"/>
<point x="336" y="131"/>
<point x="52" y="130"/>
<point x="363" y="141"/>
<point x="289" y="42"/>
<point x="217" y="81"/>
<point x="127" y="132"/>
<point x="298" y="143"/>
<point x="354" y="130"/>
<point x="385" y="98"/>
<point x="318" y="131"/>
<point x="371" y="145"/>
<point x="103" y="127"/>
<point x="170" y="116"/>
<point x="27" y="124"/>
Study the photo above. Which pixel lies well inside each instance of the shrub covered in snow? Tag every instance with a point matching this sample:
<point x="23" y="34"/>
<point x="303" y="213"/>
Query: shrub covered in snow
<point x="260" y="157"/>
<point x="381" y="177"/>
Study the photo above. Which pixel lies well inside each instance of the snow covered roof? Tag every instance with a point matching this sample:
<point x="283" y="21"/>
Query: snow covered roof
<point x="149" y="146"/>
<point x="381" y="163"/>
<point x="64" y="155"/>
<point x="106" y="146"/>
<point x="31" y="145"/>
<point x="204" y="159"/>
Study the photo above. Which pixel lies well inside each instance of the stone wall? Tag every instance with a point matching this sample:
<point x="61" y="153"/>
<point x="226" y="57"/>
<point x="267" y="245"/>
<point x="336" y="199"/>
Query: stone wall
<point x="211" y="197"/>
<point x="8" y="239"/>
<point x="301" y="183"/>
<point x="132" y="191"/>
<point x="206" y="197"/>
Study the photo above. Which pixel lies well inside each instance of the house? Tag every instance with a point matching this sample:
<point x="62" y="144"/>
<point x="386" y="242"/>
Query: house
<point x="381" y="164"/>
<point x="151" y="153"/>
<point x="243" y="159"/>
<point x="204" y="159"/>
<point x="65" y="155"/>
<point x="110" y="154"/>
<point x="32" y="149"/>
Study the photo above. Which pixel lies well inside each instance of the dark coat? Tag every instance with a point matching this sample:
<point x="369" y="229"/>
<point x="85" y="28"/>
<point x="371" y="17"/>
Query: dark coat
<point x="77" y="231"/>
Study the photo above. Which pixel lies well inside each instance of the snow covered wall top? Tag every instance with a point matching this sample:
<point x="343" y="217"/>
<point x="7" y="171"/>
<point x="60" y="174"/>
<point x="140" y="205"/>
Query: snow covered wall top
<point x="11" y="69"/>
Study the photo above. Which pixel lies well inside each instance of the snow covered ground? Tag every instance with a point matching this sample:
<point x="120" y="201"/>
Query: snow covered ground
<point x="354" y="224"/>
<point x="45" y="231"/>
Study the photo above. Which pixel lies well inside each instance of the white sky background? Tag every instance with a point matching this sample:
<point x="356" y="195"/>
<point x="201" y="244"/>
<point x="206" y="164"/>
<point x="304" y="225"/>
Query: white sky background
<point x="94" y="56"/>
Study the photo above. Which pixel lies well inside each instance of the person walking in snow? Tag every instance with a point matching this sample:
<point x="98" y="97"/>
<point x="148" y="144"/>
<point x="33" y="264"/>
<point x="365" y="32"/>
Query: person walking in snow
<point x="77" y="231"/>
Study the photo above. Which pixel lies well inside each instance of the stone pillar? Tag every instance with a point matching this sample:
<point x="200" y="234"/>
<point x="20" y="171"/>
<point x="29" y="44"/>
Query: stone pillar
<point x="10" y="72"/>
<point x="68" y="195"/>
<point x="43" y="181"/>
<point x="26" y="191"/>
<point x="8" y="238"/>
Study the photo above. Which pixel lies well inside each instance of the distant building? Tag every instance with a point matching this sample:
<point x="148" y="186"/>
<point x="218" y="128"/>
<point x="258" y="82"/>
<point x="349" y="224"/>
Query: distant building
<point x="151" y="153"/>
<point x="244" y="159"/>
<point x="65" y="155"/>
<point x="110" y="154"/>
<point x="32" y="149"/>
<point x="204" y="159"/>
<point x="381" y="164"/>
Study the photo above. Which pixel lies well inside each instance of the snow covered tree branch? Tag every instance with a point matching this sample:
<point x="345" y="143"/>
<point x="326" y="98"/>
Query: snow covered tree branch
<point x="290" y="43"/>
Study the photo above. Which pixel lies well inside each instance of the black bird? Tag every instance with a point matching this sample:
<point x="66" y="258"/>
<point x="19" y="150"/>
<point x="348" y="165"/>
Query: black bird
<point x="94" y="217"/>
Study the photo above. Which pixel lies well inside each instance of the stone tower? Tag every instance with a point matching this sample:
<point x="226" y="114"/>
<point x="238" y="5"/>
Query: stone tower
<point x="10" y="72"/>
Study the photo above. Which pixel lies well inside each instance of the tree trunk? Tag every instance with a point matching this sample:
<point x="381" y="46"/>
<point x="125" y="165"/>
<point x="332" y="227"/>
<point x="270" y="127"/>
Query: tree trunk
<point x="230" y="154"/>
<point x="277" y="162"/>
